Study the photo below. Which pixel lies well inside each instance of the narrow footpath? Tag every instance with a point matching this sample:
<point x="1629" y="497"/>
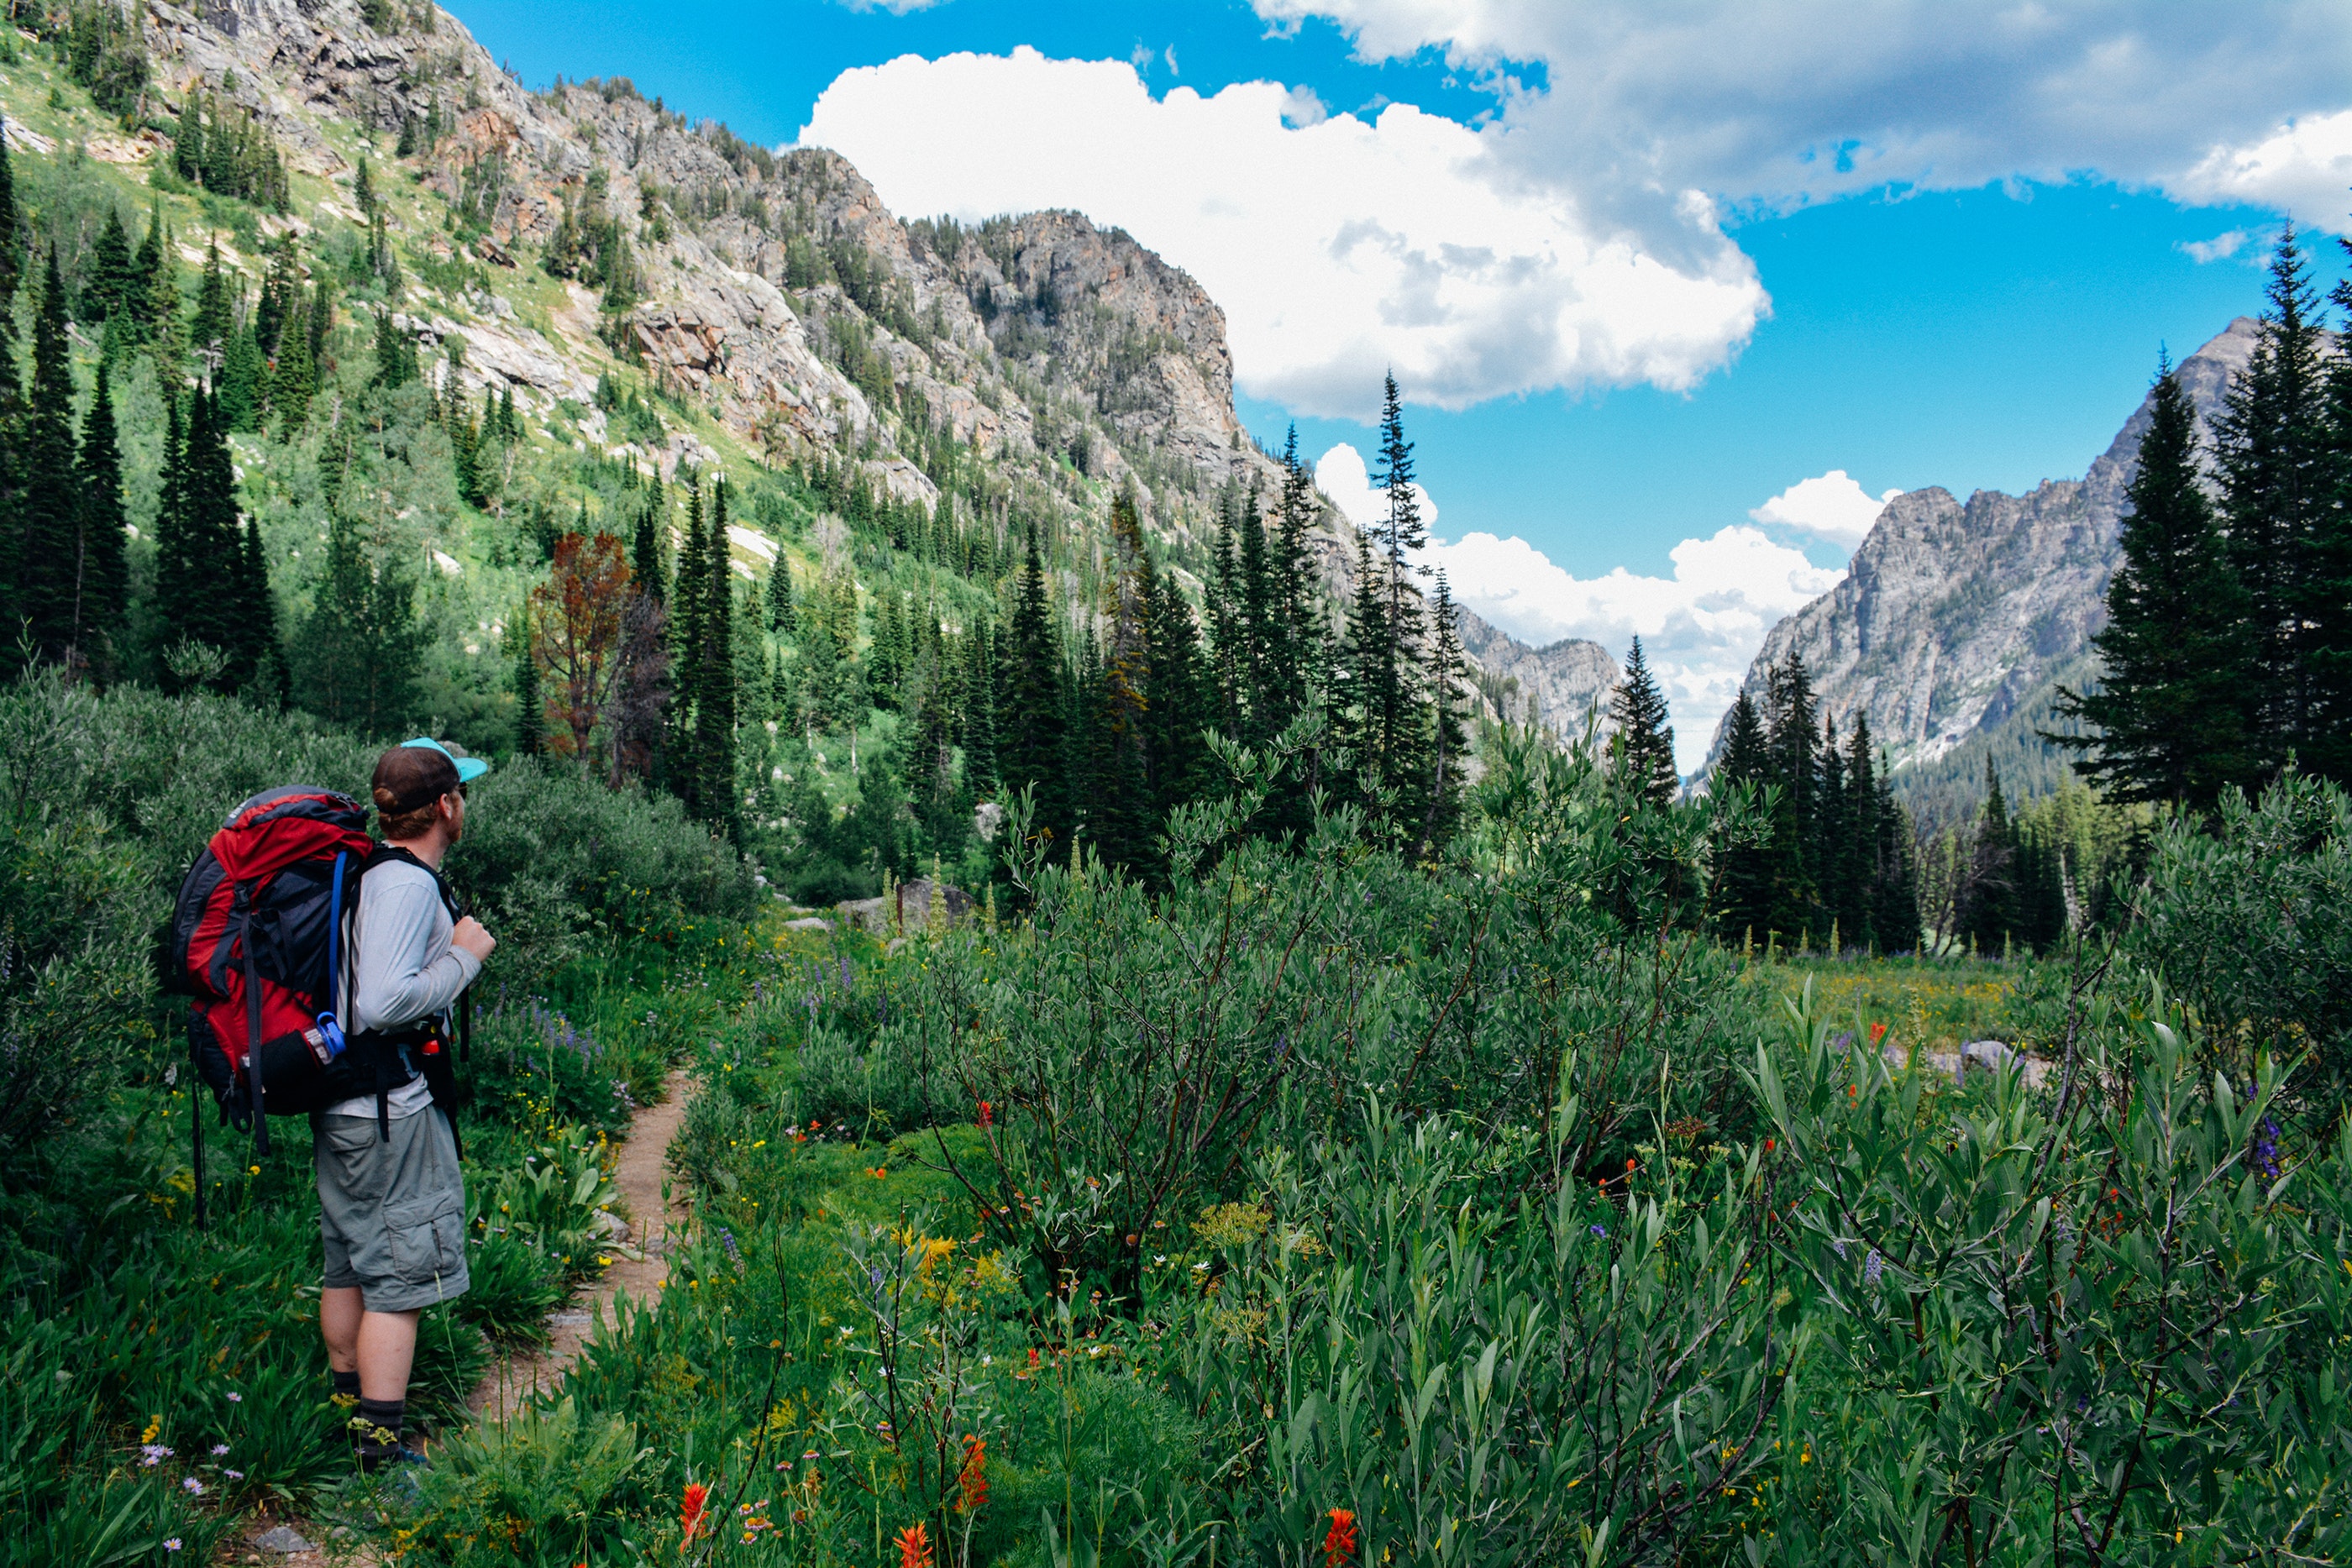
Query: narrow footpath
<point x="637" y="1272"/>
<point x="642" y="1176"/>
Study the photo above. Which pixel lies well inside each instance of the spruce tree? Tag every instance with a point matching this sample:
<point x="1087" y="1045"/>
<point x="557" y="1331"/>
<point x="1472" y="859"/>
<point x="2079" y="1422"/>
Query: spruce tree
<point x="1988" y="903"/>
<point x="106" y="288"/>
<point x="714" y="675"/>
<point x="1396" y="717"/>
<point x="530" y="702"/>
<point x="1449" y="737"/>
<point x="12" y="229"/>
<point x="1791" y="739"/>
<point x="1033" y="725"/>
<point x="2328" y="620"/>
<point x="357" y="656"/>
<point x="1643" y="744"/>
<point x="47" y="509"/>
<point x="2171" y="714"/>
<point x="210" y="332"/>
<point x="2272" y="465"/>
<point x="646" y="556"/>
<point x="779" y="596"/>
<point x="102" y="582"/>
<point x="1744" y="878"/>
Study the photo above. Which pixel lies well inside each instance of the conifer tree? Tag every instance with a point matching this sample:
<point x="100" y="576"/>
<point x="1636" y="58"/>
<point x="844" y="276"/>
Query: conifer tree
<point x="12" y="231"/>
<point x="2272" y="465"/>
<point x="1791" y="737"/>
<point x="48" y="511"/>
<point x="1033" y="728"/>
<point x="1745" y="870"/>
<point x="2328" y="620"/>
<point x="106" y="289"/>
<point x="779" y="596"/>
<point x="714" y="693"/>
<point x="646" y="556"/>
<point x="1643" y="744"/>
<point x="1449" y="737"/>
<point x="1988" y="905"/>
<point x="357" y="655"/>
<point x="978" y="717"/>
<point x="210" y="332"/>
<point x="1396" y="720"/>
<point x="530" y="702"/>
<point x="2171" y="712"/>
<point x="102" y="581"/>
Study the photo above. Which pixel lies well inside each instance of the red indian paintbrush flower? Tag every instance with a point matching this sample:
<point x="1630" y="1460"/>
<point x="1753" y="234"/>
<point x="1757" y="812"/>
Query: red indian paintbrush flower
<point x="1340" y="1541"/>
<point x="690" y="1511"/>
<point x="973" y="1480"/>
<point x="915" y="1547"/>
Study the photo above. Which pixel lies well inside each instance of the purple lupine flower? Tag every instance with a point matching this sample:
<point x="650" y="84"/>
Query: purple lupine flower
<point x="727" y="1240"/>
<point x="1872" y="1267"/>
<point x="1599" y="1230"/>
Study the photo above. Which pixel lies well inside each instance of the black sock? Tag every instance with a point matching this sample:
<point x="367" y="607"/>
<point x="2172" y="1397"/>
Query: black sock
<point x="378" y="1425"/>
<point x="347" y="1385"/>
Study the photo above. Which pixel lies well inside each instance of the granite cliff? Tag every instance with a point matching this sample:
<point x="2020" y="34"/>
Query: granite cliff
<point x="1957" y="619"/>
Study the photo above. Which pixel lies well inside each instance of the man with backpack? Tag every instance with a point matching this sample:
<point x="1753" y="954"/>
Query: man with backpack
<point x="392" y="1204"/>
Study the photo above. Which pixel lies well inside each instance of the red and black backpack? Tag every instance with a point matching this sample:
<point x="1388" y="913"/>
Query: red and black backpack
<point x="258" y="941"/>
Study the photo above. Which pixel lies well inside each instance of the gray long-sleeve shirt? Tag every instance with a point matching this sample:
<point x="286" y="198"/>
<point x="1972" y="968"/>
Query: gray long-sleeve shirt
<point x="403" y="969"/>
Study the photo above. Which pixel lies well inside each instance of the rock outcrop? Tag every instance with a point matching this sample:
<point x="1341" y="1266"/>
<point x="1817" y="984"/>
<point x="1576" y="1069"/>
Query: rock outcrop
<point x="1955" y="617"/>
<point x="1559" y="686"/>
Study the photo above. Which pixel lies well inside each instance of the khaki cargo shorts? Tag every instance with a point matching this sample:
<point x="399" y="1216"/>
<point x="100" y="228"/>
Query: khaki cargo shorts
<point x="392" y="1214"/>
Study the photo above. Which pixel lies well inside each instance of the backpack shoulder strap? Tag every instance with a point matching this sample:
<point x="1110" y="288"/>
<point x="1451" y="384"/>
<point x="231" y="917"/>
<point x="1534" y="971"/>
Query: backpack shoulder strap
<point x="384" y="852"/>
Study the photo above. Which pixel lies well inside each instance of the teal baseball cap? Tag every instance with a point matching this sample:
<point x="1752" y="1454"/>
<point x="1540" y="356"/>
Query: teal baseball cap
<point x="469" y="767"/>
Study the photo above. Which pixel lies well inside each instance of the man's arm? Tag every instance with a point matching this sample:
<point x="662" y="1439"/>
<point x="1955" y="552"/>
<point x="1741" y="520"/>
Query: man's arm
<point x="406" y="970"/>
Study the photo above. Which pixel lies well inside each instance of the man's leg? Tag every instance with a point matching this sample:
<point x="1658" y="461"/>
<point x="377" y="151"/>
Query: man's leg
<point x="386" y="1345"/>
<point x="339" y="1324"/>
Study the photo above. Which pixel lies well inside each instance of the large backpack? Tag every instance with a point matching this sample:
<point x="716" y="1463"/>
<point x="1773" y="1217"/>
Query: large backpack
<point x="258" y="940"/>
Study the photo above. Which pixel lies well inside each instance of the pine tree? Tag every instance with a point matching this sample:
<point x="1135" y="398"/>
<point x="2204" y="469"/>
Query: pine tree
<point x="2171" y="712"/>
<point x="1367" y="667"/>
<point x="1396" y="716"/>
<point x="1745" y="870"/>
<point x="1988" y="904"/>
<point x="12" y="229"/>
<point x="358" y="653"/>
<point x="1894" y="908"/>
<point x="646" y="556"/>
<point x="1032" y="728"/>
<point x="48" y="511"/>
<point x="779" y="597"/>
<point x="363" y="191"/>
<point x="1791" y="737"/>
<point x="107" y="286"/>
<point x="102" y="582"/>
<point x="210" y="331"/>
<point x="530" y="704"/>
<point x="1643" y="744"/>
<point x="2329" y="621"/>
<point x="714" y="675"/>
<point x="1449" y="737"/>
<point x="2272" y="463"/>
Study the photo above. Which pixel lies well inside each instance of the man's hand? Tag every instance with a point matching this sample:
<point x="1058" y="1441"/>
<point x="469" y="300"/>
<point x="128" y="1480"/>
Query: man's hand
<point x="471" y="937"/>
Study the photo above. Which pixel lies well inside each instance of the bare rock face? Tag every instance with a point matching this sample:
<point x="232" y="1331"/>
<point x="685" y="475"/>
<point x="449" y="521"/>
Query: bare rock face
<point x="1953" y="615"/>
<point x="1559" y="686"/>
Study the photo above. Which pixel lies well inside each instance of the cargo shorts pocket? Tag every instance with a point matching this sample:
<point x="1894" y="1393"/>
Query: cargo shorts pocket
<point x="426" y="1239"/>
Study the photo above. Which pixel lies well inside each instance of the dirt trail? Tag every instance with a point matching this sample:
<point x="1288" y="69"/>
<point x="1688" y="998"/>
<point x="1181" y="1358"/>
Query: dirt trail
<point x="640" y="1175"/>
<point x="511" y="1380"/>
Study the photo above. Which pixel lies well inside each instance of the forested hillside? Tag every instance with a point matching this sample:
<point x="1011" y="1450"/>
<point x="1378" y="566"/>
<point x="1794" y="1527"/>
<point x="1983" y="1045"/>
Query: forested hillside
<point x="557" y="424"/>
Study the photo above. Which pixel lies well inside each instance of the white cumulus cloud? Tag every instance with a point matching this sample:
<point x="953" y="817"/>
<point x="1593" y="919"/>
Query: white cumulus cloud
<point x="2221" y="247"/>
<point x="1339" y="246"/>
<point x="1699" y="627"/>
<point x="1340" y="475"/>
<point x="2302" y="167"/>
<point x="1830" y="506"/>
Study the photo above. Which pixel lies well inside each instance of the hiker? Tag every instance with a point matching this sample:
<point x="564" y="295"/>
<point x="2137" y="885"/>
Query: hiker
<point x="392" y="1204"/>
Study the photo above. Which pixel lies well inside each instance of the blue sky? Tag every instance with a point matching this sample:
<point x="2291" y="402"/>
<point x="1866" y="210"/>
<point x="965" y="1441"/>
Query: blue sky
<point x="1639" y="276"/>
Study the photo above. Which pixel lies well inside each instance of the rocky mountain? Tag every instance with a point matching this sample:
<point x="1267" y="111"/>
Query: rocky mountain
<point x="1957" y="619"/>
<point x="1557" y="685"/>
<point x="774" y="289"/>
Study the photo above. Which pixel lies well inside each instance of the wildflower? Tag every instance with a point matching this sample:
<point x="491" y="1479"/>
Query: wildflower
<point x="973" y="1480"/>
<point x="915" y="1547"/>
<point x="172" y="1544"/>
<point x="152" y="1454"/>
<point x="234" y="1475"/>
<point x="237" y="1398"/>
<point x="219" y="1448"/>
<point x="1340" y="1541"/>
<point x="192" y="1486"/>
<point x="987" y="1115"/>
<point x="1599" y="1230"/>
<point x="690" y="1513"/>
<point x="1872" y="1267"/>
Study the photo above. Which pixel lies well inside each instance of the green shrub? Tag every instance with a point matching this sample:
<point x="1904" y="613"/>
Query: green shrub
<point x="2251" y="922"/>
